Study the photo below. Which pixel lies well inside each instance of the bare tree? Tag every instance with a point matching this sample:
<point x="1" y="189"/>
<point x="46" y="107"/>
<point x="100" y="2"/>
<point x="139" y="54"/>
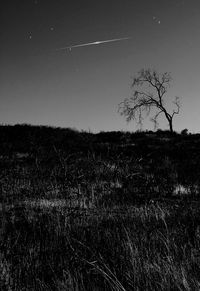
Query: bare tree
<point x="150" y="90"/>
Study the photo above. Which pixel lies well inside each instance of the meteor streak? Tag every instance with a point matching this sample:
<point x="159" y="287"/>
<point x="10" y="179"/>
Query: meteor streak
<point x="93" y="43"/>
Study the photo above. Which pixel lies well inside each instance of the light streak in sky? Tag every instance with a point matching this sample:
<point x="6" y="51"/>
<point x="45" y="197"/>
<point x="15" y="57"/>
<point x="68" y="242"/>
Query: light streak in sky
<point x="93" y="43"/>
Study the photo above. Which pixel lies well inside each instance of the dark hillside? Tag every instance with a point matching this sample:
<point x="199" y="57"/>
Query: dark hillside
<point x="106" y="211"/>
<point x="120" y="165"/>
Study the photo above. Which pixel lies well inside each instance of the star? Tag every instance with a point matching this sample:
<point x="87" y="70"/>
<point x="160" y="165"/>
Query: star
<point x="156" y="20"/>
<point x="52" y="28"/>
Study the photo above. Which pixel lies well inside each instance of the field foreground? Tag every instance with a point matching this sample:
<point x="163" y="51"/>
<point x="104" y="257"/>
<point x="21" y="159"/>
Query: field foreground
<point x="106" y="211"/>
<point x="153" y="246"/>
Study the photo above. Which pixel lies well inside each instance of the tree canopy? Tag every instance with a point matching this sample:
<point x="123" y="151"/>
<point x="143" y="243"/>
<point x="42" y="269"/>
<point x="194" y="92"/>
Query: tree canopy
<point x="149" y="93"/>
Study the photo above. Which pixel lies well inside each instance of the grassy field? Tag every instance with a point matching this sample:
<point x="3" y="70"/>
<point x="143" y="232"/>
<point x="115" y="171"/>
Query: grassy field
<point x="107" y="211"/>
<point x="154" y="246"/>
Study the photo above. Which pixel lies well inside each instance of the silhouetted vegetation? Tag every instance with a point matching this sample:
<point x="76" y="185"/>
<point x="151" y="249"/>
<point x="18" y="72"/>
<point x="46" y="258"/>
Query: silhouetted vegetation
<point x="149" y="95"/>
<point x="106" y="211"/>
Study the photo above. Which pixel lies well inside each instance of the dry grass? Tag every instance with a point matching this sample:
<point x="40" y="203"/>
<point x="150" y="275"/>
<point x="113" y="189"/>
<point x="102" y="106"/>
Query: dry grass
<point x="147" y="247"/>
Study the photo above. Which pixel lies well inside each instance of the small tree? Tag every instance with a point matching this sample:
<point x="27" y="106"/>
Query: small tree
<point x="149" y="92"/>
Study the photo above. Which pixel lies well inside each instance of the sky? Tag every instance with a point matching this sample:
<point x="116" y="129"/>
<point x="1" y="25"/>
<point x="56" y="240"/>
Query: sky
<point x="82" y="87"/>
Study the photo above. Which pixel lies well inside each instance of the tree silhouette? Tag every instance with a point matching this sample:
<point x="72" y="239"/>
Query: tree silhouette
<point x="150" y="90"/>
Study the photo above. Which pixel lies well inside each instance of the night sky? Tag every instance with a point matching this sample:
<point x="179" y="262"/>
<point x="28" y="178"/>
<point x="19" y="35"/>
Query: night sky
<point x="82" y="88"/>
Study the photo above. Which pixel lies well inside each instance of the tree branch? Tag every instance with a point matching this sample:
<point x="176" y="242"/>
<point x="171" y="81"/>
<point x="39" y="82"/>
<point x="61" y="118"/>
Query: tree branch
<point x="143" y="100"/>
<point x="177" y="103"/>
<point x="154" y="119"/>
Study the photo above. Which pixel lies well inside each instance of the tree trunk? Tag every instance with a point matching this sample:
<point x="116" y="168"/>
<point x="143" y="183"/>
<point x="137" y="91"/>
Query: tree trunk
<point x="170" y="125"/>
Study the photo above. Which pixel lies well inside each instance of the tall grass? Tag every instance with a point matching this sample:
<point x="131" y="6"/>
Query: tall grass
<point x="149" y="247"/>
